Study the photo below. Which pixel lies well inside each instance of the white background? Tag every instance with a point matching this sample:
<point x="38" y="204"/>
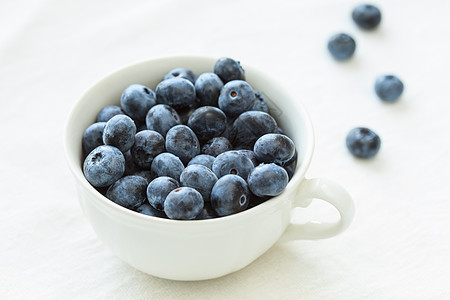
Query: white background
<point x="398" y="246"/>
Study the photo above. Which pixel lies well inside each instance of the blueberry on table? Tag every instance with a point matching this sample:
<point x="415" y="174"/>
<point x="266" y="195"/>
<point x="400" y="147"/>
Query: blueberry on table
<point x="207" y="122"/>
<point x="103" y="166"/>
<point x="207" y="87"/>
<point x="93" y="137"/>
<point x="119" y="132"/>
<point x="229" y="195"/>
<point x="158" y="189"/>
<point x="274" y="148"/>
<point x="177" y="92"/>
<point x="167" y="164"/>
<point x="366" y="16"/>
<point x="108" y="112"/>
<point x="229" y="69"/>
<point x="147" y="145"/>
<point x="183" y="203"/>
<point x="136" y="100"/>
<point x="148" y="210"/>
<point x="363" y="142"/>
<point x="232" y="162"/>
<point x="267" y="180"/>
<point x="202" y="159"/>
<point x="216" y="146"/>
<point x="341" y="46"/>
<point x="388" y="88"/>
<point x="182" y="142"/>
<point x="161" y="118"/>
<point x="181" y="73"/>
<point x="200" y="178"/>
<point x="236" y="97"/>
<point x="249" y="127"/>
<point x="128" y="191"/>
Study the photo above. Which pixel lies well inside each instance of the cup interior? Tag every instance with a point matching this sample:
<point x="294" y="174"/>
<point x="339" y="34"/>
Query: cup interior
<point x="284" y="107"/>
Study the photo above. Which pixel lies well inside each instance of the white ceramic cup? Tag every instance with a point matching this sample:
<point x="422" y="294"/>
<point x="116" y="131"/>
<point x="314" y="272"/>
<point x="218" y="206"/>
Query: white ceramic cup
<point x="203" y="249"/>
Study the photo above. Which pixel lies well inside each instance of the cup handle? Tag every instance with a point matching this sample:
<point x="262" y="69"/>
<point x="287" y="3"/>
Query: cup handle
<point x="330" y="192"/>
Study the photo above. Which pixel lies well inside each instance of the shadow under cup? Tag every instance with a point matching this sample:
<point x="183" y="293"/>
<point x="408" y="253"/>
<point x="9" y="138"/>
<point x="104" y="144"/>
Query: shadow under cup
<point x="187" y="250"/>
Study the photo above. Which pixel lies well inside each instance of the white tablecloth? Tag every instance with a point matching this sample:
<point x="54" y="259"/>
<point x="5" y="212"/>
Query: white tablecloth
<point x="398" y="246"/>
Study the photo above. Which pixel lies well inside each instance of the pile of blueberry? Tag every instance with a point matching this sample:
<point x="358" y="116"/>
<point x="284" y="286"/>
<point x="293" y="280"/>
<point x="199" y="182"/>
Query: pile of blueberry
<point x="362" y="142"/>
<point x="194" y="148"/>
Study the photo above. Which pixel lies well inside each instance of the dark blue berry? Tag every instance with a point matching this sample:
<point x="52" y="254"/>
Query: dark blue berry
<point x="251" y="155"/>
<point x="108" y="112"/>
<point x="202" y="159"/>
<point x="93" y="137"/>
<point x="388" y="88"/>
<point x="200" y="178"/>
<point x="158" y="189"/>
<point x="228" y="69"/>
<point x="119" y="132"/>
<point x="161" y="118"/>
<point x="341" y="46"/>
<point x="260" y="103"/>
<point x="366" y="16"/>
<point x="216" y="146"/>
<point x="249" y="127"/>
<point x="147" y="145"/>
<point x="167" y="164"/>
<point x="207" y="122"/>
<point x="177" y="92"/>
<point x="363" y="142"/>
<point x="232" y="162"/>
<point x="181" y="73"/>
<point x="136" y="100"/>
<point x="207" y="87"/>
<point x="229" y="195"/>
<point x="267" y="180"/>
<point x="183" y="203"/>
<point x="274" y="148"/>
<point x="148" y="210"/>
<point x="236" y="97"/>
<point x="182" y="141"/>
<point x="128" y="191"/>
<point x="103" y="166"/>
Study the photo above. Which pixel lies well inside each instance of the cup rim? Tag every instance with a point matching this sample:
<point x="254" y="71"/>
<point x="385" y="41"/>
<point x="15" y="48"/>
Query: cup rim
<point x="139" y="218"/>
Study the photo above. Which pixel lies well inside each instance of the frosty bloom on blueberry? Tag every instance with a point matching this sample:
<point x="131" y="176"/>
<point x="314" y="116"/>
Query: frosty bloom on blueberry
<point x="199" y="147"/>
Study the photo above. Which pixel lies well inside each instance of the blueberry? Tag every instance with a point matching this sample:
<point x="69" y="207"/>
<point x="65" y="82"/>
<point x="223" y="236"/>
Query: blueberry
<point x="251" y="155"/>
<point x="128" y="191"/>
<point x="228" y="69"/>
<point x="161" y="118"/>
<point x="202" y="159"/>
<point x="388" y="88"/>
<point x="183" y="203"/>
<point x="216" y="146"/>
<point x="103" y="166"/>
<point x="148" y="210"/>
<point x="207" y="122"/>
<point x="267" y="180"/>
<point x="207" y="212"/>
<point x="147" y="145"/>
<point x="249" y="127"/>
<point x="200" y="178"/>
<point x="176" y="92"/>
<point x="108" y="112"/>
<point x="182" y="141"/>
<point x="236" y="97"/>
<point x="229" y="195"/>
<point x="181" y="73"/>
<point x="119" y="132"/>
<point x="274" y="148"/>
<point x="366" y="16"/>
<point x="158" y="189"/>
<point x="232" y="162"/>
<point x="363" y="142"/>
<point x="93" y="137"/>
<point x="207" y="87"/>
<point x="341" y="46"/>
<point x="136" y="100"/>
<point x="167" y="164"/>
<point x="260" y="103"/>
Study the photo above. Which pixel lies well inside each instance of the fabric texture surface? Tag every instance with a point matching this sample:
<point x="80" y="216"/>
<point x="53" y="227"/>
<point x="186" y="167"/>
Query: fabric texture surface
<point x="397" y="247"/>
